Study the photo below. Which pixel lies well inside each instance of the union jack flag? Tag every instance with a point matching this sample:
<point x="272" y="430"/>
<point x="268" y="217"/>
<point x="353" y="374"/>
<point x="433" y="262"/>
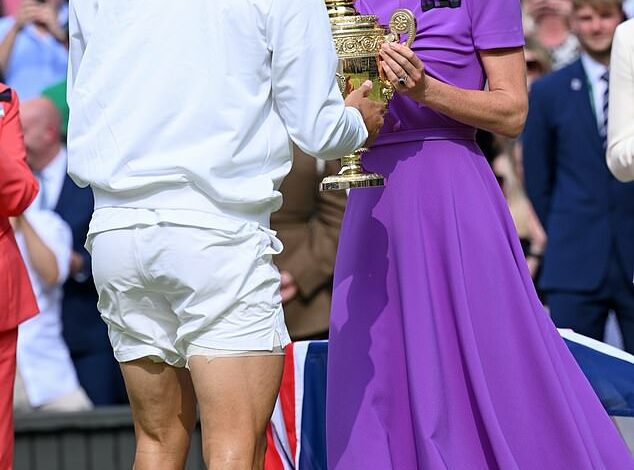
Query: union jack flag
<point x="297" y="434"/>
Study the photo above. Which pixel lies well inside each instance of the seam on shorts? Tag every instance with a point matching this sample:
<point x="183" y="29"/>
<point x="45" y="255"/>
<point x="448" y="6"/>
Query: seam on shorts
<point x="137" y="255"/>
<point x="234" y="346"/>
<point x="267" y="344"/>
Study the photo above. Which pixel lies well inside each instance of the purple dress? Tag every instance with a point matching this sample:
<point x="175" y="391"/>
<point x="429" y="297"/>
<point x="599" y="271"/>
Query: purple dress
<point x="441" y="355"/>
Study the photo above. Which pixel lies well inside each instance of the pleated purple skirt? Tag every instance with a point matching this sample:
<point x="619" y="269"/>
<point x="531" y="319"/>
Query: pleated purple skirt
<point x="441" y="355"/>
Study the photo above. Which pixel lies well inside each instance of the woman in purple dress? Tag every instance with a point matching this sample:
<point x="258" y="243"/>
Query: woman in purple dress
<point x="441" y="355"/>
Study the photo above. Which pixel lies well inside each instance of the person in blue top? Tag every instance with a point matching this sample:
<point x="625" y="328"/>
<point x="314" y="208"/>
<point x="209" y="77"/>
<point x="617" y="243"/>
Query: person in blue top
<point x="34" y="46"/>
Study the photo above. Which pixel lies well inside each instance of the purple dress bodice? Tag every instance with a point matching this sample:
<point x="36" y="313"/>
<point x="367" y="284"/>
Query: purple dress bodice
<point x="448" y="40"/>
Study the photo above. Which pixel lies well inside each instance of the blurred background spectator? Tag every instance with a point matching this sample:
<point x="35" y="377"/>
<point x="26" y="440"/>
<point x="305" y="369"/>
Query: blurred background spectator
<point x="538" y="62"/>
<point x="45" y="378"/>
<point x="308" y="225"/>
<point x="57" y="94"/>
<point x="83" y="330"/>
<point x="587" y="213"/>
<point x="33" y="46"/>
<point x="549" y="22"/>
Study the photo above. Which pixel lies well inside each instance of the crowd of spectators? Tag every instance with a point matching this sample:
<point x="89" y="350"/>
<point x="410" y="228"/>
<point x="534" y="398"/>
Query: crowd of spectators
<point x="64" y="358"/>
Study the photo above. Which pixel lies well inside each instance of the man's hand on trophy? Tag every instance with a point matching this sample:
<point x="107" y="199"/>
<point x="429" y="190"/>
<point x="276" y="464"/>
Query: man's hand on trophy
<point x="371" y="111"/>
<point x="404" y="70"/>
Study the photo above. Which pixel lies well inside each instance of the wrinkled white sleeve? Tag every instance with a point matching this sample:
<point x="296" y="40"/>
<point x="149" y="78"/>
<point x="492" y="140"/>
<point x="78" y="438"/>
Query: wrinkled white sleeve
<point x="305" y="91"/>
<point x="81" y="18"/>
<point x="620" y="154"/>
<point x="56" y="235"/>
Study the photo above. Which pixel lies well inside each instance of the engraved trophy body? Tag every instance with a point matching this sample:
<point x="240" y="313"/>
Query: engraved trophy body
<point x="358" y="39"/>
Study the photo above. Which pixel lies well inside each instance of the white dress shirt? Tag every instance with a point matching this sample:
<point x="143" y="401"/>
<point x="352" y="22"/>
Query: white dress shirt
<point x="620" y="155"/>
<point x="194" y="105"/>
<point x="594" y="71"/>
<point x="51" y="180"/>
<point x="43" y="359"/>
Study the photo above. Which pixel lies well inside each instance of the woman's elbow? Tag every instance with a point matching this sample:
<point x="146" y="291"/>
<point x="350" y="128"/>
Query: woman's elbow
<point x="512" y="123"/>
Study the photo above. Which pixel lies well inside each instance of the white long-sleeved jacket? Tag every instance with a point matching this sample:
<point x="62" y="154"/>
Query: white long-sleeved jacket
<point x="620" y="155"/>
<point x="194" y="104"/>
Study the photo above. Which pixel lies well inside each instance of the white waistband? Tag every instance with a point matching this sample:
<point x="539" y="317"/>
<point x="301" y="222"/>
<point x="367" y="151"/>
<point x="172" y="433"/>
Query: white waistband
<point x="183" y="197"/>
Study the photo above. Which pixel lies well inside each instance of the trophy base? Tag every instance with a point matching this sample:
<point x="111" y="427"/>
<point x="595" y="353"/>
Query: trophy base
<point x="361" y="180"/>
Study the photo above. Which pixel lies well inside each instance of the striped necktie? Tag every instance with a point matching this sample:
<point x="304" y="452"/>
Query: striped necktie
<point x="604" y="130"/>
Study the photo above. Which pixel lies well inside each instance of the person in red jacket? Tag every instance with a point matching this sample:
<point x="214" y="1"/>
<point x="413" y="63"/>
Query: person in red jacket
<point x="18" y="188"/>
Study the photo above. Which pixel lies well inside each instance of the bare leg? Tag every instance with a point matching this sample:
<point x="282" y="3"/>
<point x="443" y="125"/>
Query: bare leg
<point x="236" y="397"/>
<point x="164" y="412"/>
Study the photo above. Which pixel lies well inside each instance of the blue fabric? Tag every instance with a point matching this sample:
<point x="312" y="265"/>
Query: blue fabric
<point x="611" y="378"/>
<point x="313" y="432"/>
<point x="100" y="376"/>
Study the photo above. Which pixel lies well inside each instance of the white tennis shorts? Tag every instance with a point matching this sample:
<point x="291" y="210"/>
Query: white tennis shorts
<point x="170" y="291"/>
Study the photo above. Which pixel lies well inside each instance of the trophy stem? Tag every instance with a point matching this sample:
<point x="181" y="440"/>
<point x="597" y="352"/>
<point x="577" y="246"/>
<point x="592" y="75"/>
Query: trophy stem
<point x="351" y="165"/>
<point x="352" y="175"/>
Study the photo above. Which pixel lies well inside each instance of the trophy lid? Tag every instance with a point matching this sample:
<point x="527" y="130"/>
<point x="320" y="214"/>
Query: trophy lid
<point x="337" y="8"/>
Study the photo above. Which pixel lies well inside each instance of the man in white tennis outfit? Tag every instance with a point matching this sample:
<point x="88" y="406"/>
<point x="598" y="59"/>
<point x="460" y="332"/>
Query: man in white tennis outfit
<point x="183" y="116"/>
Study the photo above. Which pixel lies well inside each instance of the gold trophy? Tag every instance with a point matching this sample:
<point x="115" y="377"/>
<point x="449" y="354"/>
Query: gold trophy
<point x="358" y="39"/>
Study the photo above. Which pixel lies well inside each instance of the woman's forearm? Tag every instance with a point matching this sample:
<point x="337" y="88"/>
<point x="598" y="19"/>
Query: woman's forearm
<point x="501" y="109"/>
<point x="492" y="110"/>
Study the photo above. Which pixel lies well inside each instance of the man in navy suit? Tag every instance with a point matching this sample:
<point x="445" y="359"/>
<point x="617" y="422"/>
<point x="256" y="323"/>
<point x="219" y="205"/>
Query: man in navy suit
<point x="587" y="213"/>
<point x="84" y="332"/>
